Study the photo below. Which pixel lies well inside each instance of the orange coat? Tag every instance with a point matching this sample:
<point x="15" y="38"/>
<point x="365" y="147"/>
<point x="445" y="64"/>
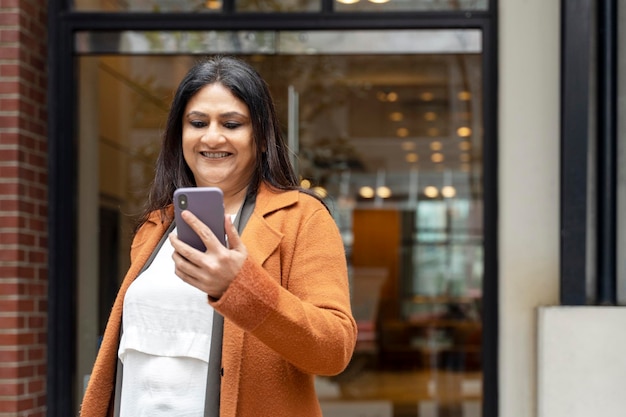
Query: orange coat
<point x="286" y="315"/>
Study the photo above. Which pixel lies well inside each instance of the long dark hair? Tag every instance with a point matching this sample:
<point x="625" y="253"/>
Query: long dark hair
<point x="245" y="83"/>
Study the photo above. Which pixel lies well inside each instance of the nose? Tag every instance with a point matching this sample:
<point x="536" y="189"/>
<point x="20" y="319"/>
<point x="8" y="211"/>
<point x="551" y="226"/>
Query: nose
<point x="213" y="135"/>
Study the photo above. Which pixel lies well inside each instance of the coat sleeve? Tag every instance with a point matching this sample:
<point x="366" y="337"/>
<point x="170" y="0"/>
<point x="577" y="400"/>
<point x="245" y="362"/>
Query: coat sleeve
<point x="304" y="314"/>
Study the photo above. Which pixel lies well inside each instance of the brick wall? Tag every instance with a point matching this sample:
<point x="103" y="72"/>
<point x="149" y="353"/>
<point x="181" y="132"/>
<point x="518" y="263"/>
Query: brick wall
<point x="23" y="202"/>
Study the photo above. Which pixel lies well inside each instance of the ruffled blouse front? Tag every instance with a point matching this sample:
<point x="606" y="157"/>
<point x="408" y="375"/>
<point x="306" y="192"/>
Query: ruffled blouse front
<point x="165" y="344"/>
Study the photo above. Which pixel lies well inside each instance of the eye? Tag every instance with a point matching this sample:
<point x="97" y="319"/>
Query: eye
<point x="232" y="125"/>
<point x="197" y="123"/>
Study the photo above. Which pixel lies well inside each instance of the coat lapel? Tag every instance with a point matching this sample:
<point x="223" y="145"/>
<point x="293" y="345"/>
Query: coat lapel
<point x="262" y="236"/>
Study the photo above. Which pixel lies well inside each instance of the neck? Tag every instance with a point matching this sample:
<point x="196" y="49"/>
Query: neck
<point x="232" y="202"/>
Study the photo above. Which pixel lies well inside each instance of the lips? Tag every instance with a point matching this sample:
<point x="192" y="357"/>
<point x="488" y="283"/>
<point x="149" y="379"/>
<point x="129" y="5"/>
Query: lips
<point x="215" y="155"/>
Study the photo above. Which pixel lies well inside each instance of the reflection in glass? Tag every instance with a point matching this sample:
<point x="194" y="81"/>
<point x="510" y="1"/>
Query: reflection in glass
<point x="408" y="5"/>
<point x="150" y="6"/>
<point x="415" y="256"/>
<point x="278" y="5"/>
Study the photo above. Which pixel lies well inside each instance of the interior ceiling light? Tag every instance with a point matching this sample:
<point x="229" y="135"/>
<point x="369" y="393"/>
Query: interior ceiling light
<point x="305" y="184"/>
<point x="427" y="96"/>
<point x="379" y="1"/>
<point x="448" y="191"/>
<point x="402" y="132"/>
<point x="348" y="1"/>
<point x="436" y="157"/>
<point x="411" y="157"/>
<point x="213" y="4"/>
<point x="464" y="131"/>
<point x="408" y="145"/>
<point x="435" y="146"/>
<point x="431" y="191"/>
<point x="320" y="191"/>
<point x="396" y="116"/>
<point x="430" y="116"/>
<point x="392" y="96"/>
<point x="466" y="145"/>
<point x="383" y="192"/>
<point x="464" y="95"/>
<point x="366" y="192"/>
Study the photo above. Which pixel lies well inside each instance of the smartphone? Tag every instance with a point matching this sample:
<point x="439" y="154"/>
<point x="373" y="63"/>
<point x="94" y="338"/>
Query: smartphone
<point x="207" y="203"/>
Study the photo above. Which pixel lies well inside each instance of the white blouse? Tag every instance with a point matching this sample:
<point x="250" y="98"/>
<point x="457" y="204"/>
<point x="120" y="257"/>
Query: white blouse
<point x="165" y="344"/>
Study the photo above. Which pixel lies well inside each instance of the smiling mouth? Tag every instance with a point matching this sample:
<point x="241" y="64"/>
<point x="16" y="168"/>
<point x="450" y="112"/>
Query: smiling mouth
<point x="214" y="155"/>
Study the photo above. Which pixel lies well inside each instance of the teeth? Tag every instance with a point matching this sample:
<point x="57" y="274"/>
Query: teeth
<point x="214" y="155"/>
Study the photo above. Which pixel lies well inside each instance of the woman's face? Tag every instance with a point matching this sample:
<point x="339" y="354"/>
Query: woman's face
<point x="217" y="139"/>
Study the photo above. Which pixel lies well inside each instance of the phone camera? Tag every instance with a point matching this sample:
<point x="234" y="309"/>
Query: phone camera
<point x="182" y="201"/>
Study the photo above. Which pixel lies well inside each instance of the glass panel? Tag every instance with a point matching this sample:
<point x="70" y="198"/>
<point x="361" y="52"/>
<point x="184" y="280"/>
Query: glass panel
<point x="408" y="5"/>
<point x="150" y="6"/>
<point x="394" y="141"/>
<point x="286" y="42"/>
<point x="278" y="5"/>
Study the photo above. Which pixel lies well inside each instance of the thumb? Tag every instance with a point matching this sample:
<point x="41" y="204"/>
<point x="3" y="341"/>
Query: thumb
<point x="234" y="241"/>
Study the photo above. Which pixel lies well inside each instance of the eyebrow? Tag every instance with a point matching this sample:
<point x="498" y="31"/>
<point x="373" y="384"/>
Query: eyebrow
<point x="227" y="114"/>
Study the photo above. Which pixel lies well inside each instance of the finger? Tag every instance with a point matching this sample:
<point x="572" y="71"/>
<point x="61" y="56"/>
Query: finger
<point x="202" y="230"/>
<point x="234" y="241"/>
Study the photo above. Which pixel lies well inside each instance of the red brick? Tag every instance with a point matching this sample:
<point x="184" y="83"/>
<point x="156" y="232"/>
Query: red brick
<point x="9" y="18"/>
<point x="35" y="386"/>
<point x="11" y="389"/>
<point x="12" y="355"/>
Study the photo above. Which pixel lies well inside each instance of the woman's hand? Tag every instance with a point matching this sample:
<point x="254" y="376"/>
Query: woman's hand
<point x="211" y="271"/>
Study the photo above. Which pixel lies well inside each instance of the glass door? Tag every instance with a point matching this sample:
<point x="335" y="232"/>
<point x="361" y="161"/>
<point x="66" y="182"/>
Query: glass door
<point x="386" y="126"/>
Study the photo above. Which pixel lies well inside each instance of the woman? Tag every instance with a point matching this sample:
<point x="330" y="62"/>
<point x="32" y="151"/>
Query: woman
<point x="281" y="285"/>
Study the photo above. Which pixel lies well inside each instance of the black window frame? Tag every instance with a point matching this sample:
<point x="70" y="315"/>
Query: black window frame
<point x="62" y="126"/>
<point x="588" y="99"/>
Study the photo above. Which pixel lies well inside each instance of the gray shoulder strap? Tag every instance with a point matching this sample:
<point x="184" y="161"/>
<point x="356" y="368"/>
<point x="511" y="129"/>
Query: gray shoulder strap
<point x="212" y="400"/>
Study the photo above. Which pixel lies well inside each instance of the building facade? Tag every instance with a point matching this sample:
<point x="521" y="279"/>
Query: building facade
<point x="483" y="136"/>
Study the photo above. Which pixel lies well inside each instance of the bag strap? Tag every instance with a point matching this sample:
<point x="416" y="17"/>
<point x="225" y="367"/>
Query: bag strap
<point x="214" y="376"/>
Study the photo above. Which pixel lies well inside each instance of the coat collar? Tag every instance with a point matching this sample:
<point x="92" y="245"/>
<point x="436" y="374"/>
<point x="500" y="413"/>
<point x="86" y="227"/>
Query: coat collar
<point x="260" y="237"/>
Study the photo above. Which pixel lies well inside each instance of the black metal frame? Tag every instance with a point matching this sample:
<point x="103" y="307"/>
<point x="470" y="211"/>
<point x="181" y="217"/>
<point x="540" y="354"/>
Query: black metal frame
<point x="63" y="24"/>
<point x="580" y="37"/>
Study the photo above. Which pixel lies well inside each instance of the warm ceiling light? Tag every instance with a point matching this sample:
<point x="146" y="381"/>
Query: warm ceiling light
<point x="320" y="191"/>
<point x="464" y="95"/>
<point x="433" y="132"/>
<point x="402" y="132"/>
<point x="396" y="116"/>
<point x="213" y="4"/>
<point x="366" y="192"/>
<point x="464" y="131"/>
<point x="411" y="157"/>
<point x="393" y="96"/>
<point x="427" y="96"/>
<point x="431" y="191"/>
<point x="408" y="145"/>
<point x="466" y="145"/>
<point x="305" y="184"/>
<point x="448" y="191"/>
<point x="430" y="116"/>
<point x="436" y="157"/>
<point x="379" y="1"/>
<point x="348" y="1"/>
<point x="435" y="145"/>
<point x="383" y="192"/>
